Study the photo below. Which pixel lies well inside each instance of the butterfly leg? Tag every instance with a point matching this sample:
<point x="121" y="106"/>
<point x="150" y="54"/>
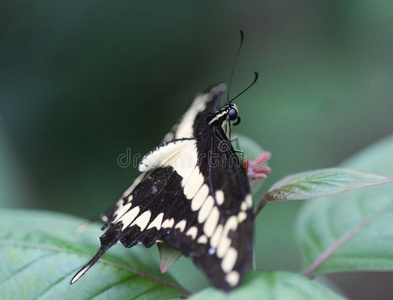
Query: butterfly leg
<point x="240" y="153"/>
<point x="235" y="140"/>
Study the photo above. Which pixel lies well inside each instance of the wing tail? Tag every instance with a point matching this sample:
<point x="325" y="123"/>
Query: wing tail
<point x="107" y="241"/>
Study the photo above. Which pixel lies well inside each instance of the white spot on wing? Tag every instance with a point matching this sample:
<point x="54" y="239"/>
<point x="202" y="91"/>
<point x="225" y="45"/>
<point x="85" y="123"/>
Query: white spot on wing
<point x="193" y="183"/>
<point x="192" y="232"/>
<point x="229" y="260"/>
<point x="205" y="209"/>
<point x="200" y="197"/>
<point x="202" y="239"/>
<point x="216" y="236"/>
<point x="181" y="225"/>
<point x="121" y="211"/>
<point x="183" y="161"/>
<point x="129" y="217"/>
<point x="157" y="222"/>
<point x="220" y="197"/>
<point x="249" y="200"/>
<point x="211" y="222"/>
<point x="168" y="223"/>
<point x="225" y="242"/>
<point x="185" y="127"/>
<point x="163" y="153"/>
<point x="241" y="216"/>
<point x="243" y="206"/>
<point x="233" y="278"/>
<point x="143" y="220"/>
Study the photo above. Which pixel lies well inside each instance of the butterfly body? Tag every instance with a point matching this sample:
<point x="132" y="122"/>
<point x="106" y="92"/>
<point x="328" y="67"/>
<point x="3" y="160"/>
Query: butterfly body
<point x="193" y="193"/>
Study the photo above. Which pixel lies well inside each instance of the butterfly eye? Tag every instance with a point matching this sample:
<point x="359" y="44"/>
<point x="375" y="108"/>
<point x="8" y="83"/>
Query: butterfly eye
<point x="232" y="114"/>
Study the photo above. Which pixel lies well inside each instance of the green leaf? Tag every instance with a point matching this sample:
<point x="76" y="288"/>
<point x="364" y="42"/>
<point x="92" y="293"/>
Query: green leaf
<point x="40" y="252"/>
<point x="322" y="183"/>
<point x="351" y="231"/>
<point x="168" y="256"/>
<point x="274" y="285"/>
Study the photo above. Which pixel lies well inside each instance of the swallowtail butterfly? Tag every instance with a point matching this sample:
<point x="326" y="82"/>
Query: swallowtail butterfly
<point x="193" y="193"/>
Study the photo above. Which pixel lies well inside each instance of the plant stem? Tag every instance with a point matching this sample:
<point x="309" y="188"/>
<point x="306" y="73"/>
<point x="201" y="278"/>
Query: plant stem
<point x="261" y="204"/>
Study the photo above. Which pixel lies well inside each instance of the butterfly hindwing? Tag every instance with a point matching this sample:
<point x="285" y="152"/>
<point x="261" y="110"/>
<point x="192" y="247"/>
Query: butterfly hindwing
<point x="230" y="243"/>
<point x="193" y="194"/>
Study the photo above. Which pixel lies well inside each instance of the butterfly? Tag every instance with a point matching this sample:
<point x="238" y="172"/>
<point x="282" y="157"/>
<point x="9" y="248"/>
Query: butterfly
<point x="193" y="194"/>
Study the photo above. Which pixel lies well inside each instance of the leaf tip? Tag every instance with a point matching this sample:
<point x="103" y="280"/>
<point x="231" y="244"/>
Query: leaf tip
<point x="168" y="256"/>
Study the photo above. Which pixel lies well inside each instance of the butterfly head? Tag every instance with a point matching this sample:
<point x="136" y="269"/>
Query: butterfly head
<point x="230" y="109"/>
<point x="231" y="118"/>
<point x="233" y="114"/>
<point x="229" y="114"/>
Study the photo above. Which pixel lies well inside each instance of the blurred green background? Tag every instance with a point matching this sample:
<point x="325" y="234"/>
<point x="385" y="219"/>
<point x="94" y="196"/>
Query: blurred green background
<point x="83" y="81"/>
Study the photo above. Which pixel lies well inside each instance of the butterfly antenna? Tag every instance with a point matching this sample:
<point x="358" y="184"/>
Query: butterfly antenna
<point x="234" y="64"/>
<point x="255" y="80"/>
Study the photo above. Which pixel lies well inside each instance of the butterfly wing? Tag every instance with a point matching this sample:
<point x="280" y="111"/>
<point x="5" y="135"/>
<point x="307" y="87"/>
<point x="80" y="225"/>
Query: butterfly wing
<point x="184" y="128"/>
<point x="211" y="220"/>
<point x="231" y="239"/>
<point x="193" y="194"/>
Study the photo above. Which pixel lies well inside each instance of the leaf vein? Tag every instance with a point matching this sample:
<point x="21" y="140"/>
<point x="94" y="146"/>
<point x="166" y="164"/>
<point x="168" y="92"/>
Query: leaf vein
<point x="99" y="292"/>
<point x="25" y="267"/>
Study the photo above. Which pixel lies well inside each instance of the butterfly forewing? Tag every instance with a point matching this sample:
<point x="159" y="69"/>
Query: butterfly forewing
<point x="193" y="194"/>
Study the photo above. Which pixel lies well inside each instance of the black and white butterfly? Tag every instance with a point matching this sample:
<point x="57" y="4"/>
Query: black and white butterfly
<point x="193" y="193"/>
